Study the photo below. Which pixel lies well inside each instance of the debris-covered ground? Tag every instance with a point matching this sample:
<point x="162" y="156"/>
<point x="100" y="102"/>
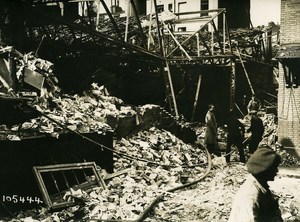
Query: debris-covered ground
<point x="154" y="164"/>
<point x="130" y="193"/>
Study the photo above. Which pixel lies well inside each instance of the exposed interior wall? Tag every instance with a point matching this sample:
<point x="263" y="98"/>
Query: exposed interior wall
<point x="214" y="89"/>
<point x="261" y="78"/>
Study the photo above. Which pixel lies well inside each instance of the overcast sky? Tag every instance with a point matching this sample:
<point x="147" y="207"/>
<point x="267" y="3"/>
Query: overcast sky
<point x="265" y="11"/>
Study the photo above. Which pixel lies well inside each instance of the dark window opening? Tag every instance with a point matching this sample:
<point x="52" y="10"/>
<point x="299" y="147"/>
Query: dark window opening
<point x="160" y="8"/>
<point x="181" y="29"/>
<point x="170" y="7"/>
<point x="204" y="6"/>
<point x="291" y="72"/>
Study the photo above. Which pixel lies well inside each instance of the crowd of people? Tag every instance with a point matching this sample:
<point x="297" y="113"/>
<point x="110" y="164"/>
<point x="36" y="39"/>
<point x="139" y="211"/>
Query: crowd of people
<point x="236" y="131"/>
<point x="254" y="201"/>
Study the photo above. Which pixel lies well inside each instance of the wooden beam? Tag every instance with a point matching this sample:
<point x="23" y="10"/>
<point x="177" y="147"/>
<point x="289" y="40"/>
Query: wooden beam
<point x="112" y="175"/>
<point x="186" y="40"/>
<point x="177" y="43"/>
<point x="196" y="98"/>
<point x="246" y="73"/>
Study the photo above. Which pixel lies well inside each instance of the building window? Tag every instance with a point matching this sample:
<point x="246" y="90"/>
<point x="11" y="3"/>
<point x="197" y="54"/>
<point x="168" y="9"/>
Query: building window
<point x="181" y="29"/>
<point x="204" y="6"/>
<point x="170" y="7"/>
<point x="115" y="2"/>
<point x="160" y="8"/>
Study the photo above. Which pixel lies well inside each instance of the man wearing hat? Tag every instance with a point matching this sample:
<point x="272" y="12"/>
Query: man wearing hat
<point x="257" y="131"/>
<point x="254" y="202"/>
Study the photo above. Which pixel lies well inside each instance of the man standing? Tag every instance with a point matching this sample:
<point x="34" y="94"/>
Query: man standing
<point x="257" y="131"/>
<point x="254" y="202"/>
<point x="210" y="138"/>
<point x="235" y="136"/>
<point x="253" y="104"/>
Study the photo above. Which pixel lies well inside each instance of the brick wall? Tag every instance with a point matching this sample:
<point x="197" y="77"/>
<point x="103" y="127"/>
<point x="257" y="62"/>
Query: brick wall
<point x="288" y="113"/>
<point x="290" y="22"/>
<point x="289" y="98"/>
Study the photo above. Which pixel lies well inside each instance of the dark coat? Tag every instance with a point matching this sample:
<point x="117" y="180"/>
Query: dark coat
<point x="235" y="128"/>
<point x="256" y="127"/>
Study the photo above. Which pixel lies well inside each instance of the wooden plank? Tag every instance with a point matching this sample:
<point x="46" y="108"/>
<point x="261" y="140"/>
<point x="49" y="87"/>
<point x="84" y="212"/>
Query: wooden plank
<point x="196" y="98"/>
<point x="112" y="175"/>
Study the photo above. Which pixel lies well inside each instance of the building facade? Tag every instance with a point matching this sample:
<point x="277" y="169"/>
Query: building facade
<point x="187" y="11"/>
<point x="186" y="20"/>
<point x="289" y="76"/>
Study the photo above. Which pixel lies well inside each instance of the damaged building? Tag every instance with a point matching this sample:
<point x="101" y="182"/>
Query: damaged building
<point x="103" y="107"/>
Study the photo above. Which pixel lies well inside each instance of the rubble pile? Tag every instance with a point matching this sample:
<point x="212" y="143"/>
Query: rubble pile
<point x="288" y="160"/>
<point x="106" y="27"/>
<point x="161" y="162"/>
<point x="127" y="195"/>
<point x="85" y="114"/>
<point x="175" y="158"/>
<point x="238" y="37"/>
<point x="153" y="161"/>
<point x="243" y="36"/>
<point x="210" y="199"/>
<point x="31" y="69"/>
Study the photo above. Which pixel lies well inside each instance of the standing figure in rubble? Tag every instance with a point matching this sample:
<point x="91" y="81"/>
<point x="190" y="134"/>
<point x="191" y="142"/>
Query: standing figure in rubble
<point x="253" y="104"/>
<point x="254" y="202"/>
<point x="210" y="138"/>
<point x="257" y="131"/>
<point x="236" y="131"/>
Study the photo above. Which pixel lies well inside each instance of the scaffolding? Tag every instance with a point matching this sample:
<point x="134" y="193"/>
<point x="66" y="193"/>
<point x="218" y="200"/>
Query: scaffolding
<point x="156" y="42"/>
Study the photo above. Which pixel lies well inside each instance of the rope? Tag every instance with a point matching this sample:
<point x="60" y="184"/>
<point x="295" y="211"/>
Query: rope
<point x="130" y="157"/>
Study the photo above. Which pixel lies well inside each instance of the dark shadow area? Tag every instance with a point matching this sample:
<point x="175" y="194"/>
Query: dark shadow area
<point x="289" y="146"/>
<point x="18" y="158"/>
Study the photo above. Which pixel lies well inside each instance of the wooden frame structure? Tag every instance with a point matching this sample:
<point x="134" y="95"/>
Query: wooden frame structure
<point x="57" y="200"/>
<point x="165" y="46"/>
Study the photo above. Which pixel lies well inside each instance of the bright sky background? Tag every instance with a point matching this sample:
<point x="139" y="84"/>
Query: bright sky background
<point x="264" y="11"/>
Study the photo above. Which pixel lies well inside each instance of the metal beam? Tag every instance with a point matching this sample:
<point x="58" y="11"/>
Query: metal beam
<point x="232" y="86"/>
<point x="185" y="41"/>
<point x="158" y="30"/>
<point x="112" y="19"/>
<point x="70" y="25"/>
<point x="177" y="43"/>
<point x="138" y="23"/>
